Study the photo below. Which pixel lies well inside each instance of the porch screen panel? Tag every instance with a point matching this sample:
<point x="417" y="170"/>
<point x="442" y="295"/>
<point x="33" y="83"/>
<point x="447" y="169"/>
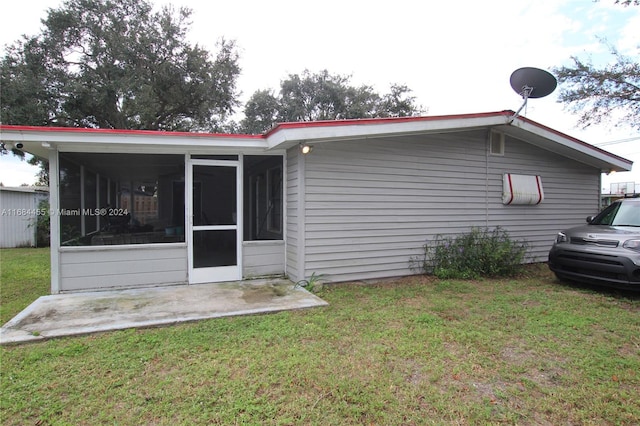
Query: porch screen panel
<point x="214" y="248"/>
<point x="121" y="199"/>
<point x="263" y="197"/>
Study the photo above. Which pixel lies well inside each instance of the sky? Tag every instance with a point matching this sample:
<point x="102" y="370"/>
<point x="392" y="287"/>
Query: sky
<point x="456" y="56"/>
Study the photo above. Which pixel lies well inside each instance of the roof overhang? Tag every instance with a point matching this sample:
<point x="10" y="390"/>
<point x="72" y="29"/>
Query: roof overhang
<point x="562" y="144"/>
<point x="40" y="140"/>
<point x="289" y="134"/>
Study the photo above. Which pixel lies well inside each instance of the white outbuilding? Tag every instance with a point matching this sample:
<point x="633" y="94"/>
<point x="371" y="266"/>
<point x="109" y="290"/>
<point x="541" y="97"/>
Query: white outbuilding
<point x="19" y="207"/>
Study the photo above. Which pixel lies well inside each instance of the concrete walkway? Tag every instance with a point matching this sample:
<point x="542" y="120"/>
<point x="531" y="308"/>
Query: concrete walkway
<point x="83" y="313"/>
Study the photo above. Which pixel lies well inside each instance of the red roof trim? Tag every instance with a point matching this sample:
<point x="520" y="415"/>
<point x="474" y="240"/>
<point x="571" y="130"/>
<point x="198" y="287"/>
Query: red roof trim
<point x="160" y="133"/>
<point x="279" y="126"/>
<point x="310" y="124"/>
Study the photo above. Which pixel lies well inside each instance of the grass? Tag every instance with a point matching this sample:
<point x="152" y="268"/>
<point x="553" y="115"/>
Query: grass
<point x="418" y="350"/>
<point x="24" y="275"/>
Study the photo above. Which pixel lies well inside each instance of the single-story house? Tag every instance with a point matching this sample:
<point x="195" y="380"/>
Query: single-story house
<point x="350" y="199"/>
<point x="19" y="207"/>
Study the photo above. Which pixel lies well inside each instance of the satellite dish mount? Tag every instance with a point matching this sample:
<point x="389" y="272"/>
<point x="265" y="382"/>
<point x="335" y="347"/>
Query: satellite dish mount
<point x="531" y="83"/>
<point x="526" y="92"/>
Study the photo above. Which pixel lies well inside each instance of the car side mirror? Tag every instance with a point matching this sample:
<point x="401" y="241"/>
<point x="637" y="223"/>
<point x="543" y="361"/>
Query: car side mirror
<point x="589" y="219"/>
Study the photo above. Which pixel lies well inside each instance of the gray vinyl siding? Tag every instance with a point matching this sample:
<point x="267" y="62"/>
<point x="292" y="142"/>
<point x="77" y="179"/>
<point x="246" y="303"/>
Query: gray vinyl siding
<point x="262" y="258"/>
<point x="132" y="266"/>
<point x="292" y="217"/>
<point x="371" y="205"/>
<point x="571" y="191"/>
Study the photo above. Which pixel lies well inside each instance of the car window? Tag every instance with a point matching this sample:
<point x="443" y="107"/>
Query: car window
<point x="606" y="216"/>
<point x="619" y="214"/>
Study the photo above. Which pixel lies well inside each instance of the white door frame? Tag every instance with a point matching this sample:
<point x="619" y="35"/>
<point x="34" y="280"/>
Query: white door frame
<point x="219" y="273"/>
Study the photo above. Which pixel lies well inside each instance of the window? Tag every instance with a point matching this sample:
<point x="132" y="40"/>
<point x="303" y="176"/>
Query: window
<point x="109" y="199"/>
<point x="621" y="213"/>
<point x="263" y="200"/>
<point x="496" y="145"/>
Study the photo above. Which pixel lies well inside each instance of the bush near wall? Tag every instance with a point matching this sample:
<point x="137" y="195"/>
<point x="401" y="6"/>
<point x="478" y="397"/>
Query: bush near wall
<point x="482" y="252"/>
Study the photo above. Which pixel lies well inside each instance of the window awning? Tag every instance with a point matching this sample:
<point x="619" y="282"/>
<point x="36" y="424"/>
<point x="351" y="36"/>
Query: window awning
<point x="522" y="189"/>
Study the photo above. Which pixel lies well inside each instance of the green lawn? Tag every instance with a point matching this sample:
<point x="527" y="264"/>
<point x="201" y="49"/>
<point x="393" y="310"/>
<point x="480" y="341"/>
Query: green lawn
<point x="24" y="275"/>
<point x="524" y="351"/>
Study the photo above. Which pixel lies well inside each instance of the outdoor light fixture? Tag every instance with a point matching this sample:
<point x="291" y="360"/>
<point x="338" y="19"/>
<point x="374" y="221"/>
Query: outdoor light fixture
<point x="5" y="148"/>
<point x="305" y="149"/>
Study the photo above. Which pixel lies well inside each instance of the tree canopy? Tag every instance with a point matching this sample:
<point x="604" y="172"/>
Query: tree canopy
<point x="324" y="96"/>
<point x="121" y="64"/>
<point x="609" y="93"/>
<point x="602" y="94"/>
<point x="117" y="64"/>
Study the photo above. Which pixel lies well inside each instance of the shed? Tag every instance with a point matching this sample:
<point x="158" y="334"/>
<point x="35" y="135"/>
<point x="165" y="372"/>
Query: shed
<point x="19" y="207"/>
<point x="147" y="208"/>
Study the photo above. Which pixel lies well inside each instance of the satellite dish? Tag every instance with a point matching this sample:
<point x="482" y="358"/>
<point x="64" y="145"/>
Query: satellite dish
<point x="532" y="83"/>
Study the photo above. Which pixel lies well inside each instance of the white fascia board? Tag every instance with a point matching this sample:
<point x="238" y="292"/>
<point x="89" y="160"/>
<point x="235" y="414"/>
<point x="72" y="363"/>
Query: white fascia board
<point x="287" y="137"/>
<point x="75" y="141"/>
<point x="572" y="148"/>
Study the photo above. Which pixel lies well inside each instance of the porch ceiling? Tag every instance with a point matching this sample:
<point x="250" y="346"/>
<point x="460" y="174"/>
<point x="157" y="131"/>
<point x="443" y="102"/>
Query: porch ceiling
<point x="132" y="167"/>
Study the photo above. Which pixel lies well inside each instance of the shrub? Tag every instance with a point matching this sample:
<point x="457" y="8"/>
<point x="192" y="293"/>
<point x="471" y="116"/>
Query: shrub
<point x="313" y="284"/>
<point x="479" y="253"/>
<point x="41" y="224"/>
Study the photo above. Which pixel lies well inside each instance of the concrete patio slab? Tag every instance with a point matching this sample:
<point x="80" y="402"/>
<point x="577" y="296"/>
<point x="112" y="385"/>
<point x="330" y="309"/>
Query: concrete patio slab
<point x="83" y="313"/>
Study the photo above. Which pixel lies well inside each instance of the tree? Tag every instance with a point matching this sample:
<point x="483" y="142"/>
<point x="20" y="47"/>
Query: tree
<point x="261" y="112"/>
<point x="117" y="64"/>
<point x="595" y="93"/>
<point x="324" y="96"/>
<point x="599" y="94"/>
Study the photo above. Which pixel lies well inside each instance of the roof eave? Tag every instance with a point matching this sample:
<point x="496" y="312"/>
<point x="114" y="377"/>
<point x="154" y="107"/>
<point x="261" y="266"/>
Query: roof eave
<point x="290" y="134"/>
<point x="39" y="140"/>
<point x="562" y="144"/>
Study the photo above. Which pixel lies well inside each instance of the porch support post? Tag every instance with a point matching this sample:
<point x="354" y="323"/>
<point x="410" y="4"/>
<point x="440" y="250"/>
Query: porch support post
<point x="302" y="243"/>
<point x="98" y="206"/>
<point x="240" y="215"/>
<point x="54" y="220"/>
<point x="83" y="229"/>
